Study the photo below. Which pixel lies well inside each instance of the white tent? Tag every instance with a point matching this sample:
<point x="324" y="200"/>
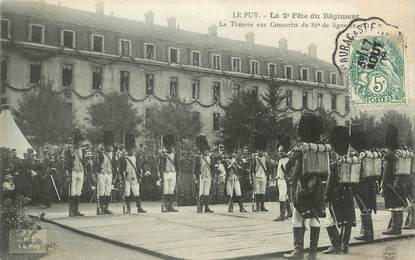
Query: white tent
<point x="10" y="134"/>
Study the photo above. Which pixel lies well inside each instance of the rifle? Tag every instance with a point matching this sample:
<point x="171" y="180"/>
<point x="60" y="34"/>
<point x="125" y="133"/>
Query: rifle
<point x="163" y="206"/>
<point x="197" y="188"/>
<point x="99" y="212"/>
<point x="253" y="188"/>
<point x="123" y="182"/>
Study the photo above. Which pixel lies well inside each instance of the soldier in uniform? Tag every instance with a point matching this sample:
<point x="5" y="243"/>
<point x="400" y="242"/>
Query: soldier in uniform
<point x="393" y="185"/>
<point x="106" y="172"/>
<point x="168" y="168"/>
<point x="259" y="173"/>
<point x="75" y="171"/>
<point x="233" y="173"/>
<point x="366" y="192"/>
<point x="410" y="193"/>
<point x="308" y="190"/>
<point x="203" y="172"/>
<point x="282" y="176"/>
<point x="131" y="174"/>
<point x="339" y="196"/>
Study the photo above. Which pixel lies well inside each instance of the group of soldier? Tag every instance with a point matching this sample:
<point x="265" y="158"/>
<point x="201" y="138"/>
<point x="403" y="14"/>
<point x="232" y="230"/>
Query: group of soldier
<point x="314" y="179"/>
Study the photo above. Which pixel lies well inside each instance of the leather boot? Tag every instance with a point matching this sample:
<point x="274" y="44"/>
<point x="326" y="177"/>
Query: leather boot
<point x="241" y="205"/>
<point x="77" y="213"/>
<point x="298" y="252"/>
<point x="207" y="209"/>
<point x="199" y="205"/>
<point x="288" y="208"/>
<point x="394" y="224"/>
<point x="263" y="203"/>
<point x="334" y="236"/>
<point x="101" y="205"/>
<point x="107" y="204"/>
<point x="165" y="202"/>
<point x="314" y="236"/>
<point x="127" y="205"/>
<point x="410" y="219"/>
<point x="230" y="208"/>
<point x="366" y="230"/>
<point x="347" y="231"/>
<point x="71" y="207"/>
<point x="282" y="212"/>
<point x="257" y="196"/>
<point x="400" y="222"/>
<point x="171" y="201"/>
<point x="138" y="202"/>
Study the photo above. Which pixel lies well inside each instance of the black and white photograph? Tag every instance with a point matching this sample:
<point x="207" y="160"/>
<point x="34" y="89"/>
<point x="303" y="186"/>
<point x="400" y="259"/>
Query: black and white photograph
<point x="190" y="129"/>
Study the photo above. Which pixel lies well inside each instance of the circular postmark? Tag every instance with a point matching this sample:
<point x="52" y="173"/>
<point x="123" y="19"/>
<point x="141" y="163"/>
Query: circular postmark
<point x="370" y="51"/>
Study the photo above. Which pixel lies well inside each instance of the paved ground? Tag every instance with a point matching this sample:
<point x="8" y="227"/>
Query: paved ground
<point x="186" y="234"/>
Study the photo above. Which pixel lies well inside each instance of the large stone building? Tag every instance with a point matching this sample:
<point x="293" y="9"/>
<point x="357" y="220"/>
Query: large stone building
<point x="91" y="54"/>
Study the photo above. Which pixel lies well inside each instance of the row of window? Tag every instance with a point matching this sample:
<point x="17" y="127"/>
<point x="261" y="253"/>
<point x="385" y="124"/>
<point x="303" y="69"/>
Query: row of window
<point x="37" y="35"/>
<point x="97" y="81"/>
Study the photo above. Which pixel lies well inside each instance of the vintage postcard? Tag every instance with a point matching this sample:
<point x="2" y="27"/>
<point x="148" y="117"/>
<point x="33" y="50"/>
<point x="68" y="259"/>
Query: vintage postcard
<point x="207" y="129"/>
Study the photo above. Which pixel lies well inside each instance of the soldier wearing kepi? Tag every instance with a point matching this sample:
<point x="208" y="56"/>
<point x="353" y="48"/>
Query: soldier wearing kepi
<point x="259" y="172"/>
<point x="131" y="174"/>
<point x="106" y="172"/>
<point x="282" y="175"/>
<point x="203" y="172"/>
<point x="393" y="183"/>
<point x="168" y="168"/>
<point x="410" y="193"/>
<point x="366" y="191"/>
<point x="339" y="194"/>
<point x="310" y="169"/>
<point x="75" y="171"/>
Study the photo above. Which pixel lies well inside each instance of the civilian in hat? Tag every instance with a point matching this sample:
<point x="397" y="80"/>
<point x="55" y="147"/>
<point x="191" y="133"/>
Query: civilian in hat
<point x="73" y="166"/>
<point x="168" y="169"/>
<point x="106" y="172"/>
<point x="203" y="171"/>
<point x="131" y="174"/>
<point x="8" y="187"/>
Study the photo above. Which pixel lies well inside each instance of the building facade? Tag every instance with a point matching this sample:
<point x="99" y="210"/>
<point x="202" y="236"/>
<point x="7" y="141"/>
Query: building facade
<point x="87" y="55"/>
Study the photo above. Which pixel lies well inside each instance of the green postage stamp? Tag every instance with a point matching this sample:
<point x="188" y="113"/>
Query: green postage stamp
<point x="371" y="53"/>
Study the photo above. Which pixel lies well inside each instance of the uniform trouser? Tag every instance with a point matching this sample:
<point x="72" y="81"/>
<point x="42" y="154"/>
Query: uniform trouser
<point x="298" y="221"/>
<point x="232" y="185"/>
<point x="282" y="190"/>
<point x="76" y="183"/>
<point x="131" y="186"/>
<point x="204" y="186"/>
<point x="260" y="183"/>
<point x="169" y="183"/>
<point x="330" y="220"/>
<point x="104" y="184"/>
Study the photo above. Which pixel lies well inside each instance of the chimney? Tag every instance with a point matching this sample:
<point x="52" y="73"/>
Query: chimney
<point x="149" y="17"/>
<point x="282" y="44"/>
<point x="99" y="8"/>
<point x="213" y="30"/>
<point x="312" y="51"/>
<point x="171" y="22"/>
<point x="250" y="37"/>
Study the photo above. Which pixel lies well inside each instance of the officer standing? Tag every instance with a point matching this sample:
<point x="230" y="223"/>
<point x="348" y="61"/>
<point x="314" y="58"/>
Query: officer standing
<point x="282" y="175"/>
<point x="131" y="174"/>
<point x="259" y="173"/>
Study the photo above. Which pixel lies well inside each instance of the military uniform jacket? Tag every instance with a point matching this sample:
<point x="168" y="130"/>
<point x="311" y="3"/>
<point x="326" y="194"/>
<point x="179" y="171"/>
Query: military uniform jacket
<point x="307" y="190"/>
<point x="340" y="197"/>
<point x="256" y="166"/>
<point x="137" y="171"/>
<point x="101" y="161"/>
<point x="201" y="162"/>
<point x="163" y="162"/>
<point x="393" y="185"/>
<point x="71" y="161"/>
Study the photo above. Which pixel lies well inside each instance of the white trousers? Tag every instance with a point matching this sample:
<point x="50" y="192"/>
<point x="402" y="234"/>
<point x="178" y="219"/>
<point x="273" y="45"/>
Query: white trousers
<point x="104" y="184"/>
<point x="204" y="186"/>
<point x="298" y="221"/>
<point x="260" y="183"/>
<point x="282" y="190"/>
<point x="77" y="181"/>
<point x="169" y="183"/>
<point x="131" y="186"/>
<point x="233" y="184"/>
